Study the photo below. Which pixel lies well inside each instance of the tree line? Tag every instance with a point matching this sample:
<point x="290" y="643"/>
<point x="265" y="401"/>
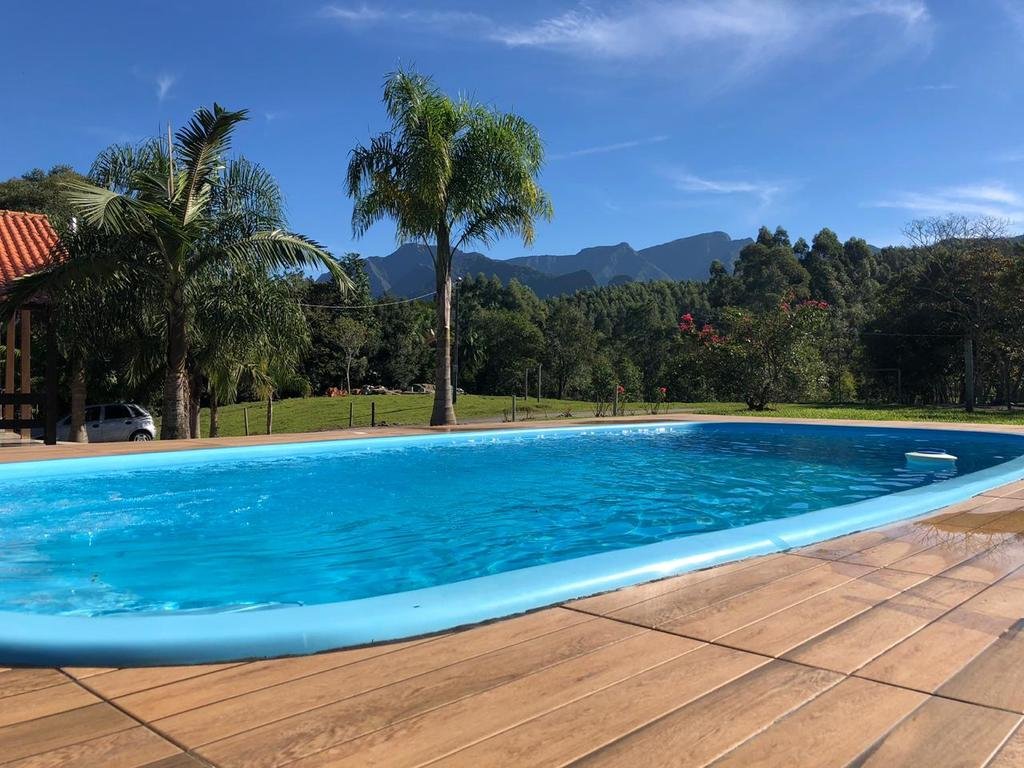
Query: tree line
<point x="179" y="285"/>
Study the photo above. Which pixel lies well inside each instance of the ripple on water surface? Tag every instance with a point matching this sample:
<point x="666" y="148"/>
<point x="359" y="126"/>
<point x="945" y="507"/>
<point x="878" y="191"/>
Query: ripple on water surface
<point x="347" y="521"/>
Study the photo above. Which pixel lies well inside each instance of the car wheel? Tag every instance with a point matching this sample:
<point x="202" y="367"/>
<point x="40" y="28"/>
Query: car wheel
<point x="142" y="436"/>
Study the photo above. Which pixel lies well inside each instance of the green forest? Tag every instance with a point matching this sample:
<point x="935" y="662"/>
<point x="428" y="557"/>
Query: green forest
<point x="792" y="321"/>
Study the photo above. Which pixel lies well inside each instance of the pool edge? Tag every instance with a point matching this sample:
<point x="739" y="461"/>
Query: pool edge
<point x="39" y="640"/>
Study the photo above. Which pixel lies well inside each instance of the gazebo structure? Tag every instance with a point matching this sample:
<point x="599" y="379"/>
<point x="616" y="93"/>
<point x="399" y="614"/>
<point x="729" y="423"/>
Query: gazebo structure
<point x="28" y="243"/>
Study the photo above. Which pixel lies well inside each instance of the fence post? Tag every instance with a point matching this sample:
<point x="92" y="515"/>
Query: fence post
<point x="539" y="369"/>
<point x="615" y="402"/>
<point x="350" y="414"/>
<point x="373" y="413"/>
<point x="513" y="407"/>
<point x="245" y="415"/>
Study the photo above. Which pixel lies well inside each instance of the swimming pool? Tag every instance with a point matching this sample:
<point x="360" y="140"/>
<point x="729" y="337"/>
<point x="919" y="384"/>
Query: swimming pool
<point x="244" y="552"/>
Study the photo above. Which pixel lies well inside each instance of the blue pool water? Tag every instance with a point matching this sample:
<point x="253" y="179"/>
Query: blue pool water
<point x="328" y="522"/>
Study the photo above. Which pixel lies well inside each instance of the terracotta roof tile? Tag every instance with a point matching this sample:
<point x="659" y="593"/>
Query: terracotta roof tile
<point x="27" y="243"/>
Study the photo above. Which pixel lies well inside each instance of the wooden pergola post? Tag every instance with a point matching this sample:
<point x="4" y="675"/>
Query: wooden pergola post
<point x="9" y="366"/>
<point x="26" y="367"/>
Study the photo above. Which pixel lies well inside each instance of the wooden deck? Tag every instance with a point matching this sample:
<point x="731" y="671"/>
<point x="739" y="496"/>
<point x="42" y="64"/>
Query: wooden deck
<point x="900" y="646"/>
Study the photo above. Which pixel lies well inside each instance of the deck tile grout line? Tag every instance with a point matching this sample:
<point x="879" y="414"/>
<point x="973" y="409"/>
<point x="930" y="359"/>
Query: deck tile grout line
<point x="999" y="747"/>
<point x="504" y="729"/>
<point x="414" y="643"/>
<point x="413" y="677"/>
<point x="593" y="693"/>
<point x="854" y="673"/>
<point x="821" y="564"/>
<point x="753" y="560"/>
<point x="144" y="723"/>
<point x="673" y="711"/>
<point x="370" y="690"/>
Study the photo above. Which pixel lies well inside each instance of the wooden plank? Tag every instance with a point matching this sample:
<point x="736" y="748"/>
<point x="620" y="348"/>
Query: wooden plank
<point x="951" y="549"/>
<point x="1011" y="753"/>
<point x="136" y="747"/>
<point x="927" y="659"/>
<point x="122" y="682"/>
<point x="787" y="629"/>
<point x="440" y="731"/>
<point x="1011" y="522"/>
<point x="941" y="733"/>
<point x="621" y="598"/>
<point x="458" y="654"/>
<point x="1013" y="490"/>
<point x="80" y="673"/>
<point x="729" y="615"/>
<point x="571" y="731"/>
<point x="991" y="565"/>
<point x="42" y="702"/>
<point x="193" y="692"/>
<point x="852" y="644"/>
<point x="995" y="677"/>
<point x="311" y="731"/>
<point x="17" y="681"/>
<point x="45" y="734"/>
<point x="681" y="602"/>
<point x="831" y="730"/>
<point x="843" y="546"/>
<point x="181" y="760"/>
<point x="888" y="552"/>
<point x="699" y="732"/>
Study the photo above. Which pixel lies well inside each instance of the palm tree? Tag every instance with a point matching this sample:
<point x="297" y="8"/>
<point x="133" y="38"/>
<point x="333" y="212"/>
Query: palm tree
<point x="249" y="326"/>
<point x="452" y="172"/>
<point x="189" y="210"/>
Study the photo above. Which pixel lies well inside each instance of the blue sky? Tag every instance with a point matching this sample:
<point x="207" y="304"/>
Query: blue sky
<point x="661" y="119"/>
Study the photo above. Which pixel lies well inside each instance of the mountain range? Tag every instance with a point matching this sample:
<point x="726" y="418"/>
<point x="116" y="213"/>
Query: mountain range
<point x="409" y="271"/>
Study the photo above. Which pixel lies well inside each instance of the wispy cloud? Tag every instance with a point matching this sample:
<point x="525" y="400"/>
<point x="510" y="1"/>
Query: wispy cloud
<point x="740" y="34"/>
<point x="1014" y="10"/>
<point x="992" y="198"/>
<point x="164" y="82"/>
<point x="1010" y="156"/>
<point x="935" y="87"/>
<point x="765" y="191"/>
<point x="657" y="28"/>
<point x="605" y="148"/>
<point x="452" y="22"/>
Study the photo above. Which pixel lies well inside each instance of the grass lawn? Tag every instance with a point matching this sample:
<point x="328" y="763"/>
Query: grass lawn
<point x="312" y="414"/>
<point x="985" y="415"/>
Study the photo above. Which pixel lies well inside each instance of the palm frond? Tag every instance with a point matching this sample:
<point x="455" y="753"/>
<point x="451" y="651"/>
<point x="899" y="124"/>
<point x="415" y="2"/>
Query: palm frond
<point x="278" y="250"/>
<point x="202" y="143"/>
<point x="107" y="210"/>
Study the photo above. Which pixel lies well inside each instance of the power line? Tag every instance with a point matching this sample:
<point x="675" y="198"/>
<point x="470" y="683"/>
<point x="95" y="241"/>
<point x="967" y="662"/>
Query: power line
<point x="367" y="306"/>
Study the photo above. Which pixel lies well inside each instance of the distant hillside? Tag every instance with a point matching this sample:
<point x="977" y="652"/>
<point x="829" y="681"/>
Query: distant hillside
<point x="409" y="270"/>
<point x="687" y="258"/>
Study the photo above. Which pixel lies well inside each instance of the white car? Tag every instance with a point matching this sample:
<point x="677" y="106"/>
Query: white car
<point x="113" y="422"/>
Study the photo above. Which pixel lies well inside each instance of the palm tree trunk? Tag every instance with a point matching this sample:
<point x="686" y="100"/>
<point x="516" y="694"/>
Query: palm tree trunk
<point x="270" y="413"/>
<point x="193" y="410"/>
<point x="214" y="414"/>
<point x="174" y="425"/>
<point x="77" y="432"/>
<point x="444" y="411"/>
